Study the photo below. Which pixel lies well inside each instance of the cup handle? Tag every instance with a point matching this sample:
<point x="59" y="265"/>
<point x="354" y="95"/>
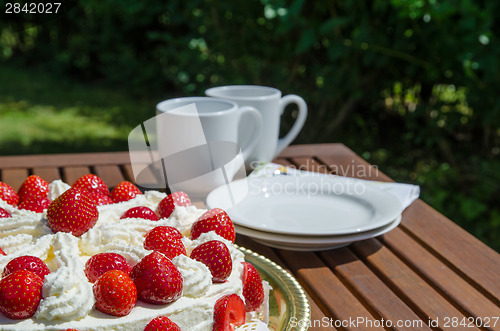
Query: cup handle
<point x="299" y="123"/>
<point x="257" y="130"/>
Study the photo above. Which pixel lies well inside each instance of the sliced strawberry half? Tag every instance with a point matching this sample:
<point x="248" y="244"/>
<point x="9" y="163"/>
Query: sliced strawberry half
<point x="2" y="252"/>
<point x="167" y="205"/>
<point x="216" y="220"/>
<point x="37" y="205"/>
<point x="27" y="262"/>
<point x="115" y="293"/>
<point x="101" y="263"/>
<point x="8" y="194"/>
<point x="140" y="212"/>
<point x="162" y="323"/>
<point x="74" y="211"/>
<point x="20" y="294"/>
<point x="157" y="279"/>
<point x="229" y="312"/>
<point x="124" y="191"/>
<point x="253" y="290"/>
<point x="4" y="213"/>
<point x="92" y="183"/>
<point x="216" y="256"/>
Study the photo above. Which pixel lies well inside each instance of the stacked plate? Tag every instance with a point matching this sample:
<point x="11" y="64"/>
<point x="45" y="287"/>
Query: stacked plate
<point x="306" y="213"/>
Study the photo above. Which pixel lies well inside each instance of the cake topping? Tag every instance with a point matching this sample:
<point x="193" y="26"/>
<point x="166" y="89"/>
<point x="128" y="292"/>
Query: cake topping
<point x="216" y="256"/>
<point x="92" y="183"/>
<point x="115" y="293"/>
<point x="100" y="263"/>
<point x="37" y="205"/>
<point x="216" y="220"/>
<point x="166" y="240"/>
<point x="162" y="323"/>
<point x="229" y="311"/>
<point x="8" y="194"/>
<point x="124" y="191"/>
<point x="26" y="262"/>
<point x="4" y="213"/>
<point x="140" y="212"/>
<point x="33" y="188"/>
<point x="67" y="294"/>
<point x="20" y="294"/>
<point x="157" y="279"/>
<point x="253" y="290"/>
<point x="168" y="204"/>
<point x="74" y="211"/>
<point x="196" y="276"/>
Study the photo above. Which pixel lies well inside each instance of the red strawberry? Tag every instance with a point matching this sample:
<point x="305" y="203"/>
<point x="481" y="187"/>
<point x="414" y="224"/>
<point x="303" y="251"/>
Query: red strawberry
<point x="73" y="211"/>
<point x="115" y="293"/>
<point x="215" y="255"/>
<point x="2" y="252"/>
<point x="26" y="262"/>
<point x="20" y="294"/>
<point x="93" y="184"/>
<point x="8" y="194"/>
<point x="166" y="240"/>
<point x="216" y="220"/>
<point x="4" y="213"/>
<point x="140" y="212"/>
<point x="157" y="279"/>
<point x="253" y="291"/>
<point x="34" y="187"/>
<point x="167" y="205"/>
<point x="229" y="311"/>
<point x="162" y="323"/>
<point x="100" y="263"/>
<point x="124" y="192"/>
<point x="103" y="200"/>
<point x="34" y="204"/>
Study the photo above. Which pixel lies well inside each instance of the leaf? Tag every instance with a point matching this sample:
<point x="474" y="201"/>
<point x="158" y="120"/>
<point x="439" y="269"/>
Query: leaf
<point x="307" y="40"/>
<point x="333" y="23"/>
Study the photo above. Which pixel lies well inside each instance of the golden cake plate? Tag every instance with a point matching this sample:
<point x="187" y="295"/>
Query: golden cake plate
<point x="289" y="307"/>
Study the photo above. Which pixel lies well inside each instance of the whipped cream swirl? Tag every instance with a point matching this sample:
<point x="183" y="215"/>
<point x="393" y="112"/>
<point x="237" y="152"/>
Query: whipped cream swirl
<point x="67" y="295"/>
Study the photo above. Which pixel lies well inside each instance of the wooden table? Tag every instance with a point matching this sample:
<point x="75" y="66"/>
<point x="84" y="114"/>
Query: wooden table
<point x="428" y="273"/>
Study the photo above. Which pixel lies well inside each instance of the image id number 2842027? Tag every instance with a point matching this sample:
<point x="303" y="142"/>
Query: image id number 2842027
<point x="32" y="7"/>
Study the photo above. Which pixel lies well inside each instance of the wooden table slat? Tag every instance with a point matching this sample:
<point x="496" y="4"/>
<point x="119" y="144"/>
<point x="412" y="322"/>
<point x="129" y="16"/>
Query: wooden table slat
<point x="47" y="173"/>
<point x="459" y="249"/>
<point x="415" y="291"/>
<point x="437" y="273"/>
<point x="110" y="174"/>
<point x="64" y="160"/>
<point x="72" y="173"/>
<point x="331" y="295"/>
<point x="316" y="313"/>
<point x="14" y="177"/>
<point x="380" y="298"/>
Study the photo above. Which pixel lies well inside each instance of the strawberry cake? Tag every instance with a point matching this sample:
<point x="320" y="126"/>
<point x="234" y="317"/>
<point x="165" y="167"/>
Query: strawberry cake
<point x="81" y="258"/>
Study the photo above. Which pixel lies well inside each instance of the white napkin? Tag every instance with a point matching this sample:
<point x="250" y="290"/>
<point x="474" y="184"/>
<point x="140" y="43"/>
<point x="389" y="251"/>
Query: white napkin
<point x="406" y="193"/>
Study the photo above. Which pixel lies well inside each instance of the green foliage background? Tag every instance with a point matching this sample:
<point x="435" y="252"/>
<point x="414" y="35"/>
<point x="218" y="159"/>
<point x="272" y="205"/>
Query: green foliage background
<point x="411" y="85"/>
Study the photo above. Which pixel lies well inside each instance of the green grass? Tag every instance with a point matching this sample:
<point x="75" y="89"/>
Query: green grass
<point x="40" y="113"/>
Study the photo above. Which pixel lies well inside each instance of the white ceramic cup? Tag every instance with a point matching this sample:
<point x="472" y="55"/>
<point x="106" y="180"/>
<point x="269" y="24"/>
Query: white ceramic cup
<point x="198" y="139"/>
<point x="271" y="105"/>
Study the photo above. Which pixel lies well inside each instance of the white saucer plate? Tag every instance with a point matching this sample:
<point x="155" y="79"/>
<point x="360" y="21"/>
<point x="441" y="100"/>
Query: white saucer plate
<point x="307" y="205"/>
<point x="316" y="243"/>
